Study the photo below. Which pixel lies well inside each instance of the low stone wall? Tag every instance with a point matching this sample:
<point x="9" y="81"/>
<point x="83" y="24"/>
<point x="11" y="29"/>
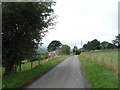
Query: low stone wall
<point x="109" y="50"/>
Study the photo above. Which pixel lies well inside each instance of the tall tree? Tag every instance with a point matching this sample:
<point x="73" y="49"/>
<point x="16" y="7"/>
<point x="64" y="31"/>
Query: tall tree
<point x="78" y="51"/>
<point x="89" y="45"/>
<point x="111" y="46"/>
<point x="117" y="41"/>
<point x="24" y="24"/>
<point x="75" y="49"/>
<point x="93" y="45"/>
<point x="85" y="46"/>
<point x="104" y="44"/>
<point x="65" y="49"/>
<point x="54" y="45"/>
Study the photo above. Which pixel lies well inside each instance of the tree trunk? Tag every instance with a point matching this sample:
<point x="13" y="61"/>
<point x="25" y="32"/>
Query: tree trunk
<point x="15" y="68"/>
<point x="20" y="66"/>
<point x="9" y="69"/>
<point x="31" y="64"/>
<point x="39" y="62"/>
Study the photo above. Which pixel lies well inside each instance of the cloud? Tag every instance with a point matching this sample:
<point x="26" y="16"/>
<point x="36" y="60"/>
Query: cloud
<point x="84" y="20"/>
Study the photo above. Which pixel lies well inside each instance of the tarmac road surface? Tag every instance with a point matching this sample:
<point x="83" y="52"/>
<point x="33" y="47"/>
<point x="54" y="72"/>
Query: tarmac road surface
<point x="67" y="74"/>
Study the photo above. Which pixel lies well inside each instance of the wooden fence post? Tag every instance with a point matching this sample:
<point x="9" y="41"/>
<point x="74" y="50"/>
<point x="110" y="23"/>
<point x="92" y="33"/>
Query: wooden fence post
<point x="31" y="64"/>
<point x="111" y="61"/>
<point x="39" y="62"/>
<point x="15" y="68"/>
<point x="20" y="66"/>
<point x="102" y="58"/>
<point x="92" y="56"/>
<point x="31" y="60"/>
<point x="96" y="58"/>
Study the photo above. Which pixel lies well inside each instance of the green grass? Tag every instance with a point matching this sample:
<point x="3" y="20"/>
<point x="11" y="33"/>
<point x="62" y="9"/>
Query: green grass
<point x="108" y="56"/>
<point x="0" y="78"/>
<point x="97" y="75"/>
<point x="26" y="66"/>
<point x="20" y="78"/>
<point x="105" y="58"/>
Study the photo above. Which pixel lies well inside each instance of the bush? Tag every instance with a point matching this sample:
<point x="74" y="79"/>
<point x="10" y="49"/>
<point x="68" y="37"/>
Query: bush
<point x="78" y="51"/>
<point x="46" y="55"/>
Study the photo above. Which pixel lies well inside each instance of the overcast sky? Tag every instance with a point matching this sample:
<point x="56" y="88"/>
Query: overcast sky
<point x="84" y="20"/>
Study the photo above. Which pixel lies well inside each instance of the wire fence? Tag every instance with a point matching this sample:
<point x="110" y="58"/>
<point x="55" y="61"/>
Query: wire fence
<point x="109" y="61"/>
<point x="32" y="64"/>
<point x="28" y="65"/>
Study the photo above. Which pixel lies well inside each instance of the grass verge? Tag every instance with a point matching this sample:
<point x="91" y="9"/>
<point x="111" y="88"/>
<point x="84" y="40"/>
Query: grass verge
<point x="26" y="66"/>
<point x="19" y="79"/>
<point x="108" y="59"/>
<point x="98" y="76"/>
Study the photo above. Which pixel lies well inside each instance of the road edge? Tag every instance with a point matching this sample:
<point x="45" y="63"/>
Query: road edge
<point x="83" y="75"/>
<point x="40" y="75"/>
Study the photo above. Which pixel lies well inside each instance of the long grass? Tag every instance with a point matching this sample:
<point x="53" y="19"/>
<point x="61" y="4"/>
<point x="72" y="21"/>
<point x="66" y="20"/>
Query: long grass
<point x="108" y="59"/>
<point x="97" y="75"/>
<point x="21" y="78"/>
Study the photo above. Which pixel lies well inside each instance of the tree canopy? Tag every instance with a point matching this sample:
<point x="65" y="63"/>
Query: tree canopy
<point x="24" y="24"/>
<point x="104" y="44"/>
<point x="74" y="49"/>
<point x="93" y="45"/>
<point x="111" y="46"/>
<point x="96" y="45"/>
<point x="54" y="45"/>
<point x="65" y="49"/>
<point x="85" y="46"/>
<point x="117" y="41"/>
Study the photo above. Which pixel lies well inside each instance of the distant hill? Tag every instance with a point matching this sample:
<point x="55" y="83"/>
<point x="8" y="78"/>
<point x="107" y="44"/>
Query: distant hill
<point x="42" y="47"/>
<point x="41" y="50"/>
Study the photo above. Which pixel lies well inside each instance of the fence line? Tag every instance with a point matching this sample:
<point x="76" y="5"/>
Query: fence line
<point x="101" y="60"/>
<point x="107" y="50"/>
<point x="33" y="65"/>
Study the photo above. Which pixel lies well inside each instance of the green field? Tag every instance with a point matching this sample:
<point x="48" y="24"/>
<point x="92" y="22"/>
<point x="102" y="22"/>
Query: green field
<point x="108" y="56"/>
<point x="108" y="59"/>
<point x="20" y="78"/>
<point x="26" y="66"/>
<point x="97" y="75"/>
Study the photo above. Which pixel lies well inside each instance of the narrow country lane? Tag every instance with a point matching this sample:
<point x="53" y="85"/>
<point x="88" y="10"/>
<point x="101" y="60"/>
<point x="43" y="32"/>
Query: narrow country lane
<point x="67" y="74"/>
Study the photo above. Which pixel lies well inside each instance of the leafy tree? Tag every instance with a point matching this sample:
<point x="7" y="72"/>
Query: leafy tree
<point x="75" y="49"/>
<point x="117" y="41"/>
<point x="104" y="44"/>
<point x="78" y="51"/>
<point x="93" y="45"/>
<point x="54" y="45"/>
<point x="111" y="46"/>
<point x="46" y="54"/>
<point x="85" y="46"/>
<point x="23" y="27"/>
<point x="107" y="45"/>
<point x="65" y="49"/>
<point x="88" y="46"/>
